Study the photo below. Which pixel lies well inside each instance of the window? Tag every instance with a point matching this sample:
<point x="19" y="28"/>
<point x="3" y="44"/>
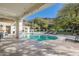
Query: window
<point x="13" y="32"/>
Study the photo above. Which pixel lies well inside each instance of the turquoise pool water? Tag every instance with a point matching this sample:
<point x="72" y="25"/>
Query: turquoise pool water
<point x="40" y="37"/>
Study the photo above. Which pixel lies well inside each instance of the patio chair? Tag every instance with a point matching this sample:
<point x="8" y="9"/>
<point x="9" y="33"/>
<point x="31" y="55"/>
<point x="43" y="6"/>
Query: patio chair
<point x="77" y="38"/>
<point x="74" y="39"/>
<point x="51" y="32"/>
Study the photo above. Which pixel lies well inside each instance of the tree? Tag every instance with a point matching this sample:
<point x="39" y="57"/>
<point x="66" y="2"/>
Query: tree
<point x="71" y="13"/>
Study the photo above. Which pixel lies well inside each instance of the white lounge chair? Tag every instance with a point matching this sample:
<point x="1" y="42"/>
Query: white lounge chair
<point x="73" y="38"/>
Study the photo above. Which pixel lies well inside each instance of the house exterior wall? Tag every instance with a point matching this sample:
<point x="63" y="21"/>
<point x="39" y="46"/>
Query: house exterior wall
<point x="3" y="28"/>
<point x="22" y="28"/>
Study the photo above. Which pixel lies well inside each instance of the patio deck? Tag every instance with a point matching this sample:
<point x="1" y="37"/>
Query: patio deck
<point x="34" y="48"/>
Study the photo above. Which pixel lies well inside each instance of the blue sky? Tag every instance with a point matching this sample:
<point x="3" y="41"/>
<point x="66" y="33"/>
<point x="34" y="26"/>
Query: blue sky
<point x="49" y="12"/>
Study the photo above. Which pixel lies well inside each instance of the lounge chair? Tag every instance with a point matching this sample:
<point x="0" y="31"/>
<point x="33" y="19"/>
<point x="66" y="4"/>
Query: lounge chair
<point x="74" y="39"/>
<point x="77" y="38"/>
<point x="50" y="32"/>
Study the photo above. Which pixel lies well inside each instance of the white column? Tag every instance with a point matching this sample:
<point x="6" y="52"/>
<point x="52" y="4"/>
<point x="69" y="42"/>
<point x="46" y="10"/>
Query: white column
<point x="17" y="28"/>
<point x="12" y="29"/>
<point x="28" y="29"/>
<point x="20" y="25"/>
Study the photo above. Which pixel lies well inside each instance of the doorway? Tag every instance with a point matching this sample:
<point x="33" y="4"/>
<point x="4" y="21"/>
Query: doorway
<point x="8" y="29"/>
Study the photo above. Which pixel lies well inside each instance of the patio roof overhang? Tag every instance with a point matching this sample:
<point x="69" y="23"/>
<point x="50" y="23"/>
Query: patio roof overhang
<point x="20" y="10"/>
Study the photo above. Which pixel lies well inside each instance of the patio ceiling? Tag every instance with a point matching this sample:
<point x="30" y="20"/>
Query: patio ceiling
<point x="19" y="10"/>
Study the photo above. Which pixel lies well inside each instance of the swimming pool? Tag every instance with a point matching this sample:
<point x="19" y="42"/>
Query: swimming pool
<point x="40" y="37"/>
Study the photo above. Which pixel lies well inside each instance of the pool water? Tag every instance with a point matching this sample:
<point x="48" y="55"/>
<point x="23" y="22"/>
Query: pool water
<point x="40" y="37"/>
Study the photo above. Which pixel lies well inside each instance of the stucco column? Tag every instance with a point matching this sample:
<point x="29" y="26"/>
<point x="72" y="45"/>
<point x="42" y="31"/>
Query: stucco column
<point x="17" y="29"/>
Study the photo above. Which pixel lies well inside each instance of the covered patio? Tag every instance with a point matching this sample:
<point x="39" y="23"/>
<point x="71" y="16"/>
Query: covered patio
<point x="15" y="47"/>
<point x="19" y="11"/>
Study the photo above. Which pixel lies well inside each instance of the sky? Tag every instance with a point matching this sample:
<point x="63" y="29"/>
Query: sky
<point x="49" y="12"/>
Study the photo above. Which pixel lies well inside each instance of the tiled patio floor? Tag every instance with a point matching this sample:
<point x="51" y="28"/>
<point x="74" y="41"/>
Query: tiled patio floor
<point x="35" y="48"/>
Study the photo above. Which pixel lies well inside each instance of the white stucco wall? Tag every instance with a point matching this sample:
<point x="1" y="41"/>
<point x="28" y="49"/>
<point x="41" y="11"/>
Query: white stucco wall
<point x="4" y="27"/>
<point x="23" y="27"/>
